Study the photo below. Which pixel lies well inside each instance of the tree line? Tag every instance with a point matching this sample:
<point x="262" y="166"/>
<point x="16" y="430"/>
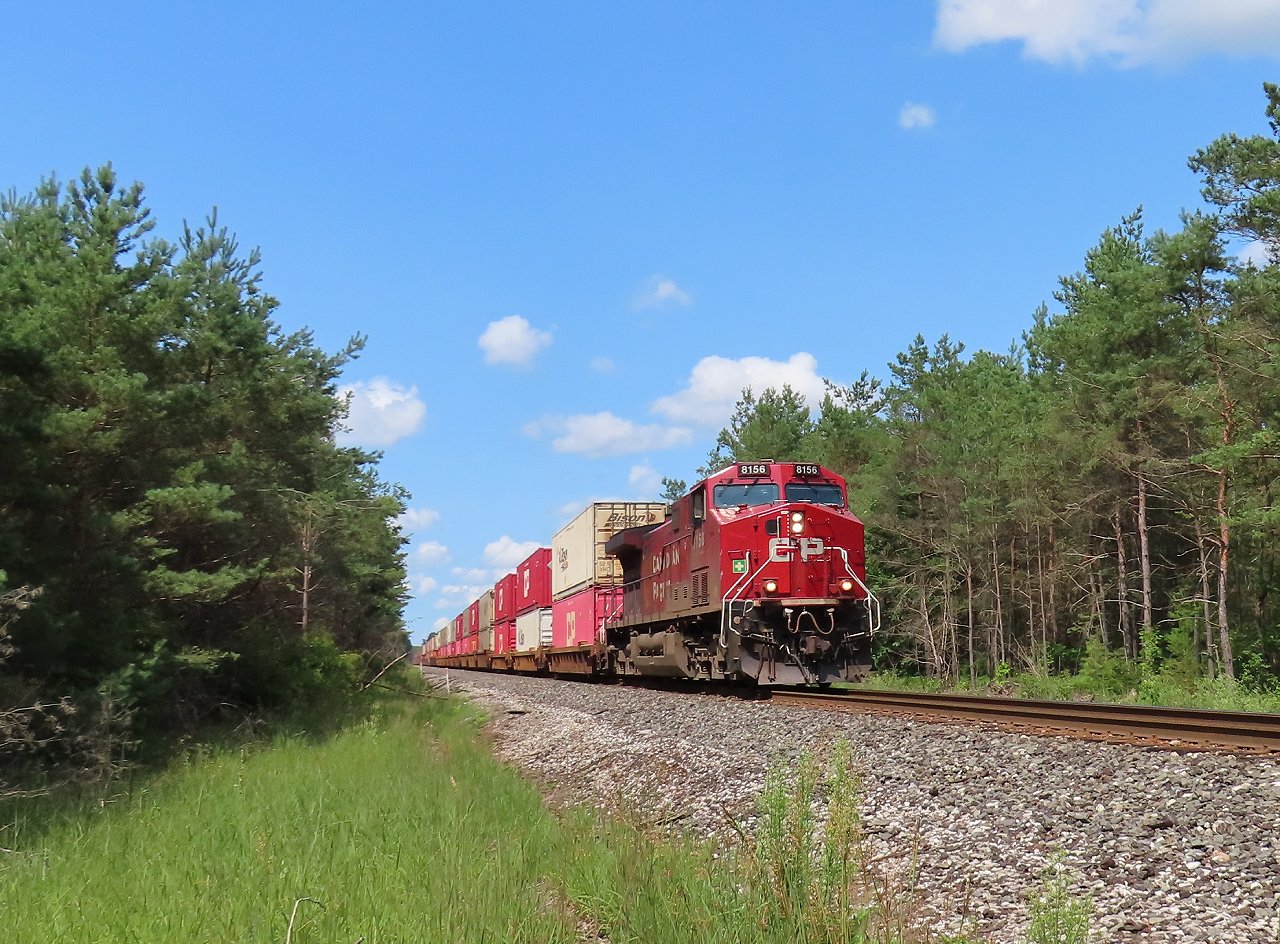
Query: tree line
<point x="183" y="535"/>
<point x="1109" y="482"/>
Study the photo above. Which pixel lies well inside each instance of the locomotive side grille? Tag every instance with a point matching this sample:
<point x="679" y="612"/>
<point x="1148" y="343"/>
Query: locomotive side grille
<point x="700" y="595"/>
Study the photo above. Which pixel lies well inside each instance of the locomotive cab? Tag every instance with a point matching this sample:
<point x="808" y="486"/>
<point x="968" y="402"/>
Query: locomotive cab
<point x="759" y="573"/>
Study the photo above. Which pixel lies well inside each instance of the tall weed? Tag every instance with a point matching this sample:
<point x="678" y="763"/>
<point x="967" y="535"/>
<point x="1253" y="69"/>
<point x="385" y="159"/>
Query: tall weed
<point x="1057" y="915"/>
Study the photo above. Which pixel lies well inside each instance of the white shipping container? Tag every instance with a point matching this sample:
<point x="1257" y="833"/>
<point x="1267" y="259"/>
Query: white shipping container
<point x="486" y="614"/>
<point x="578" y="559"/>
<point x="533" y="629"/>
<point x="486" y="639"/>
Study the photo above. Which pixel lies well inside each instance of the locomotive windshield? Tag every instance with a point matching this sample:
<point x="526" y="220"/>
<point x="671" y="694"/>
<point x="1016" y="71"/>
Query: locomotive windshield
<point x="758" y="493"/>
<point x="815" y="492"/>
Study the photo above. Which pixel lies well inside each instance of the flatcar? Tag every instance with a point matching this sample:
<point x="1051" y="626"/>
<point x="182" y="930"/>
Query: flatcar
<point x="756" y="574"/>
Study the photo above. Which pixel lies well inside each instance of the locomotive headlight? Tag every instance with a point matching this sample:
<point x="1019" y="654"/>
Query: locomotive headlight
<point x="771" y="586"/>
<point x="797" y="522"/>
<point x="846" y="585"/>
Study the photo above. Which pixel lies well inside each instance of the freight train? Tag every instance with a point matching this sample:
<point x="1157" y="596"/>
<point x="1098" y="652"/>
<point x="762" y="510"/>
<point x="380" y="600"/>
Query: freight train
<point x="756" y="574"/>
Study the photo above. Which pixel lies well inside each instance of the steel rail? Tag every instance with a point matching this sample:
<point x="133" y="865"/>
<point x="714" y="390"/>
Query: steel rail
<point x="1183" y="729"/>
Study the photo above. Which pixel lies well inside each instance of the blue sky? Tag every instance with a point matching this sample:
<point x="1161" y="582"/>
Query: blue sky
<point x="573" y="231"/>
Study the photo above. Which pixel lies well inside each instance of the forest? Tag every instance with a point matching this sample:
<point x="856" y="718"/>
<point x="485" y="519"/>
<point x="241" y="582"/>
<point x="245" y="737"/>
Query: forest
<point x="182" y="542"/>
<point x="1102" y="495"/>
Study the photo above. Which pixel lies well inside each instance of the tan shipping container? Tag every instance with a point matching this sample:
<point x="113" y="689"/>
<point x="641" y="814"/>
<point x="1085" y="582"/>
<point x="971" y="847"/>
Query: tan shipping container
<point x="533" y="629"/>
<point x="486" y="621"/>
<point x="578" y="559"/>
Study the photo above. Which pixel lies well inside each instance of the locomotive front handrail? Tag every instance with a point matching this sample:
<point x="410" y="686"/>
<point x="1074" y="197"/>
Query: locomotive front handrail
<point x="873" y="602"/>
<point x="739" y="587"/>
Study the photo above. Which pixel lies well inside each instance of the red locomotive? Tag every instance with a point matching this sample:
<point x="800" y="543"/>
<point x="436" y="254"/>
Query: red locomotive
<point x="757" y="574"/>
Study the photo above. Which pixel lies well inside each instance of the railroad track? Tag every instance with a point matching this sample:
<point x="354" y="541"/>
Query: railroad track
<point x="1181" y="729"/>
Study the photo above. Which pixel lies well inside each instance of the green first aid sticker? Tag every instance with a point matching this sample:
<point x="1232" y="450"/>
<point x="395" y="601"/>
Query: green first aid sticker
<point x="740" y="567"/>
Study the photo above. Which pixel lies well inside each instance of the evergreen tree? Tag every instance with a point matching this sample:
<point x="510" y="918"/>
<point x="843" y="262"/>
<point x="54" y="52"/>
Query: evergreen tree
<point x="169" y="451"/>
<point x="777" y="425"/>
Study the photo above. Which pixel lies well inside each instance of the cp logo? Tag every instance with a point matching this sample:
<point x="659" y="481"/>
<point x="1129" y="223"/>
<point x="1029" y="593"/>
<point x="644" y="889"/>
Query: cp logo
<point x="782" y="550"/>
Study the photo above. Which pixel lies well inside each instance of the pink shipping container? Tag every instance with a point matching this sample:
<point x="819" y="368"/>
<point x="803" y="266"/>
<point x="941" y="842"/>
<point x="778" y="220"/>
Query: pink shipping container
<point x="457" y="627"/>
<point x="504" y="637"/>
<point x="533" y="581"/>
<point x="472" y="620"/>
<point x="504" y="600"/>
<point x="576" y="620"/>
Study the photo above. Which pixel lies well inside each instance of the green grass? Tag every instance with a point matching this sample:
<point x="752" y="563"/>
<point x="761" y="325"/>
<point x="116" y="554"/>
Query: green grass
<point x="399" y="829"/>
<point x="403" y="828"/>
<point x="1221" y="693"/>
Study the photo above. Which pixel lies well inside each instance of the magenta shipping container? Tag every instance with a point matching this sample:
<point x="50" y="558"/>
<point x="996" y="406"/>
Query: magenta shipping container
<point x="504" y="599"/>
<point x="533" y="581"/>
<point x="576" y="620"/>
<point x="504" y="637"/>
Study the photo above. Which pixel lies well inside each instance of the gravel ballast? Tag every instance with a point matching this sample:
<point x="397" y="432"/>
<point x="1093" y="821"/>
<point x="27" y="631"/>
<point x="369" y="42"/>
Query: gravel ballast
<point x="1170" y="847"/>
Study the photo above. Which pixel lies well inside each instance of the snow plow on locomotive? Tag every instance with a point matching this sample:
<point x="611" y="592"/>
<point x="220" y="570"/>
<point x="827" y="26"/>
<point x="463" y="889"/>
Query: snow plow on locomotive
<point x="757" y="574"/>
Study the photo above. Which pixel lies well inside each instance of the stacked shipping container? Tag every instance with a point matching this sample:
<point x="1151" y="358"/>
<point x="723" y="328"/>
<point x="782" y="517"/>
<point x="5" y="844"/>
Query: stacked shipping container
<point x="504" y="615"/>
<point x="532" y="604"/>
<point x="560" y="596"/>
<point x="586" y="583"/>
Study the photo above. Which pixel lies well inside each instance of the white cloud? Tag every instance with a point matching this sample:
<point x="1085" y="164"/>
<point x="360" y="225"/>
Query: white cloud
<point x="431" y="553"/>
<point x="603" y="434"/>
<point x="426" y="585"/>
<point x="512" y="340"/>
<point x="471" y="574"/>
<point x="716" y="383"/>
<point x="458" y="595"/>
<point x="1128" y="32"/>
<point x="418" y="519"/>
<point x="662" y="292"/>
<point x="915" y="115"/>
<point x="505" y="553"/>
<point x="380" y="412"/>
<point x="645" y="479"/>
<point x="441" y="623"/>
<point x="602" y="365"/>
<point x="1259" y="253"/>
